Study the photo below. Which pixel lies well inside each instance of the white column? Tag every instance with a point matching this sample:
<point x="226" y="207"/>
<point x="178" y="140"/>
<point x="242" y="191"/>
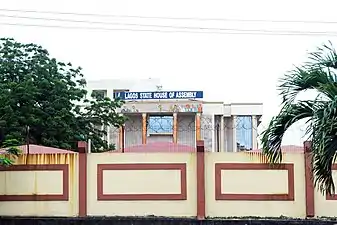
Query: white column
<point x="235" y="149"/>
<point x="222" y="135"/>
<point x="254" y="132"/>
<point x="89" y="145"/>
<point x="213" y="133"/>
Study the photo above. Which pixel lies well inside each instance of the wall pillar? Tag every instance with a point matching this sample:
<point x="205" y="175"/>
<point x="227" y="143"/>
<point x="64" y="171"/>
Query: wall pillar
<point x="309" y="180"/>
<point x="121" y="138"/>
<point x="144" y="128"/>
<point x="198" y="126"/>
<point x="175" y="128"/>
<point x="82" y="147"/>
<point x="201" y="202"/>
<point x="222" y="134"/>
<point x="254" y="133"/>
<point x="235" y="149"/>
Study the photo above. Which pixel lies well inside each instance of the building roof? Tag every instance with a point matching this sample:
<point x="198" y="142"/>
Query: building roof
<point x="160" y="147"/>
<point x="39" y="149"/>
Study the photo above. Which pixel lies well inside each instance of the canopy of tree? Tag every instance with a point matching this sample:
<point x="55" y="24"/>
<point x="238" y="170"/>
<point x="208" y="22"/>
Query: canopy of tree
<point x="318" y="74"/>
<point x="48" y="98"/>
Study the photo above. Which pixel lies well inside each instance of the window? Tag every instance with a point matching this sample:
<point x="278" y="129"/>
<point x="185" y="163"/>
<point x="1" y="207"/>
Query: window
<point x="244" y="133"/>
<point x="98" y="94"/>
<point x="160" y="125"/>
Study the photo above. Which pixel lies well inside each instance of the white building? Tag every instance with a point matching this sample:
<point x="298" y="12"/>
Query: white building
<point x="111" y="86"/>
<point x="223" y="127"/>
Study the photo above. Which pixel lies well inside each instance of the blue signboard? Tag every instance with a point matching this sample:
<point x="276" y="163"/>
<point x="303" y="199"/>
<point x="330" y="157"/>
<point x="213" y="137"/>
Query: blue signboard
<point x="159" y="95"/>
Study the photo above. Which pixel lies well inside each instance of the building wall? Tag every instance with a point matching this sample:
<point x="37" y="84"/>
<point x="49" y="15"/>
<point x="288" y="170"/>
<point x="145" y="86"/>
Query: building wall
<point x="243" y="109"/>
<point x="218" y="136"/>
<point x="161" y="184"/>
<point x="239" y="179"/>
<point x="113" y="136"/>
<point x="228" y="124"/>
<point x="159" y="138"/>
<point x="133" y="130"/>
<point x="142" y="182"/>
<point x="185" y="134"/>
<point x="325" y="206"/>
<point x="217" y="139"/>
<point x="207" y="128"/>
<point x="186" y="129"/>
<point x="130" y="84"/>
<point x="47" y="186"/>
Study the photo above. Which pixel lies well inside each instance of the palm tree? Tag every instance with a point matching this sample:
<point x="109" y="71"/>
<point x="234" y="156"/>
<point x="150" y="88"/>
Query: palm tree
<point x="319" y="74"/>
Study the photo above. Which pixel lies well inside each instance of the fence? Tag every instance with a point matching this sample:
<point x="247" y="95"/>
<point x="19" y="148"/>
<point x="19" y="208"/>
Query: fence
<point x="199" y="184"/>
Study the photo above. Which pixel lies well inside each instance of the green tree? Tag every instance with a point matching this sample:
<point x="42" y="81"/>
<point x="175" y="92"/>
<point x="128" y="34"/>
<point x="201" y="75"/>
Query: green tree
<point x="49" y="97"/>
<point x="320" y="114"/>
<point x="11" y="152"/>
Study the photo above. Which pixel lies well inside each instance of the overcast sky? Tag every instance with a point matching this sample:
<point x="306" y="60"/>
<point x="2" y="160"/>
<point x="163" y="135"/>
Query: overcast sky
<point x="227" y="67"/>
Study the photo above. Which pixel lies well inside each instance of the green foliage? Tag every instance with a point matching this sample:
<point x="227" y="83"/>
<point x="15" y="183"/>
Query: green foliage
<point x="112" y="147"/>
<point x="11" y="151"/>
<point x="318" y="74"/>
<point x="49" y="97"/>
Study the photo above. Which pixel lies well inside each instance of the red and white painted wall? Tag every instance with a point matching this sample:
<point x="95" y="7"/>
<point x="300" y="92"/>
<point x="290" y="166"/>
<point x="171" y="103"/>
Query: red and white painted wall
<point x="198" y="184"/>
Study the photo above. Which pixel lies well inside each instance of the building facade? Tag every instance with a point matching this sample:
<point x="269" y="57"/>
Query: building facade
<point x="110" y="86"/>
<point x="180" y="117"/>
